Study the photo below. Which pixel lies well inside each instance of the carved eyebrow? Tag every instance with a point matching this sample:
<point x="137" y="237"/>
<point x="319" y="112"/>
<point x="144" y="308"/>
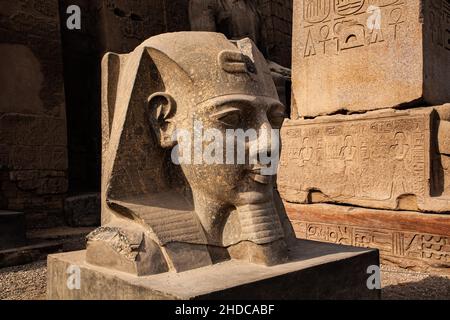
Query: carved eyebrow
<point x="235" y="102"/>
<point x="224" y="111"/>
<point x="246" y="103"/>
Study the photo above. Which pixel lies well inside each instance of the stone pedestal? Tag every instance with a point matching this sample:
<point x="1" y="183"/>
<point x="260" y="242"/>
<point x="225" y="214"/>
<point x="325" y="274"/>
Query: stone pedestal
<point x="316" y="271"/>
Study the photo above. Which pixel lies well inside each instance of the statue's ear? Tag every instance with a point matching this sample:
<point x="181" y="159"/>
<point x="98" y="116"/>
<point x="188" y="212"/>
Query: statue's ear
<point x="162" y="111"/>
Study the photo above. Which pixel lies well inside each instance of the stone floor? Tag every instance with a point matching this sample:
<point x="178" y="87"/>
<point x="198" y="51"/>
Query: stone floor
<point x="401" y="284"/>
<point x="28" y="282"/>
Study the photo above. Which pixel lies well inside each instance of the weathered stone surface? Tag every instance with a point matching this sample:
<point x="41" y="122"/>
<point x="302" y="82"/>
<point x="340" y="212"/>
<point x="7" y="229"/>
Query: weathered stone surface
<point x="343" y="64"/>
<point x="267" y="22"/>
<point x="33" y="146"/>
<point x="125" y="24"/>
<point x="19" y="61"/>
<point x="410" y="240"/>
<point x="196" y="213"/>
<point x="382" y="159"/>
<point x="316" y="271"/>
<point x="30" y="40"/>
<point x="125" y="250"/>
<point x="259" y="254"/>
<point x="107" y="26"/>
<point x="83" y="210"/>
<point x="239" y="19"/>
<point x="42" y="242"/>
<point x="235" y="19"/>
<point x="12" y="229"/>
<point x="119" y="26"/>
<point x="277" y="28"/>
<point x="28" y="253"/>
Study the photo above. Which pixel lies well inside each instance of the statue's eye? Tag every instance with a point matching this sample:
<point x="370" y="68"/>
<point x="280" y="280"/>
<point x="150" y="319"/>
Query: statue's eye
<point x="276" y="116"/>
<point x="231" y="119"/>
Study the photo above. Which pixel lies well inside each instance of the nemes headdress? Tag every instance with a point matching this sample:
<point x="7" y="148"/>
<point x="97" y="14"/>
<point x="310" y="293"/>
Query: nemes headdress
<point x="202" y="65"/>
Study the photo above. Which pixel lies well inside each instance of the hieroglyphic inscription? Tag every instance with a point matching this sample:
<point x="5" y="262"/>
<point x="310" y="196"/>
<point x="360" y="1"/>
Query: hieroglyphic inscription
<point x="333" y="26"/>
<point x="363" y="160"/>
<point x="354" y="55"/>
<point x="433" y="249"/>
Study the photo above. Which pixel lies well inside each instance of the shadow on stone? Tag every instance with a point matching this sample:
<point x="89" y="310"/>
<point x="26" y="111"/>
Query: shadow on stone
<point x="430" y="288"/>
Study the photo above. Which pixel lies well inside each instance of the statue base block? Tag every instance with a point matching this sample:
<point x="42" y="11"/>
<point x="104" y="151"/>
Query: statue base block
<point x="317" y="271"/>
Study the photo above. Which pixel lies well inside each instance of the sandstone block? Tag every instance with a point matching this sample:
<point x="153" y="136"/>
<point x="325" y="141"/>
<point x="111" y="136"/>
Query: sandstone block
<point x="382" y="159"/>
<point x="358" y="55"/>
<point x="412" y="240"/>
<point x="317" y="271"/>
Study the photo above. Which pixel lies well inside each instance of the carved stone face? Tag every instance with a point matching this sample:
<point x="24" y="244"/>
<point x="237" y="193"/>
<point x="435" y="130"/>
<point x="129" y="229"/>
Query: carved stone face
<point x="227" y="109"/>
<point x="227" y="186"/>
<point x="219" y="170"/>
<point x="226" y="182"/>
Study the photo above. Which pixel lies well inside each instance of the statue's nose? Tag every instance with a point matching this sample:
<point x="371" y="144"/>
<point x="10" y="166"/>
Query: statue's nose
<point x="265" y="137"/>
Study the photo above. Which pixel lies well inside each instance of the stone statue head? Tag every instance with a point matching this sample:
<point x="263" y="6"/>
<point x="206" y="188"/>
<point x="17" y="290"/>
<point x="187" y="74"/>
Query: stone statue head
<point x="169" y="108"/>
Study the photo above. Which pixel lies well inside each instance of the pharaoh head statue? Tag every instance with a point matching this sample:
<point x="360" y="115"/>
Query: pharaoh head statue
<point x="190" y="144"/>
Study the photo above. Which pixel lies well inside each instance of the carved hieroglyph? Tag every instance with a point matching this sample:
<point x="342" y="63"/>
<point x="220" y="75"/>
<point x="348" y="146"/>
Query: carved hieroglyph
<point x="158" y="216"/>
<point x="410" y="239"/>
<point x="359" y="55"/>
<point x="382" y="159"/>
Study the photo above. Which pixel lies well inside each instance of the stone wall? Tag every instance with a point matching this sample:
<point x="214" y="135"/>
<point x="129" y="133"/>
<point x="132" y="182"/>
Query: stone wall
<point x="125" y="24"/>
<point x="369" y="127"/>
<point x="277" y="17"/>
<point x="33" y="147"/>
